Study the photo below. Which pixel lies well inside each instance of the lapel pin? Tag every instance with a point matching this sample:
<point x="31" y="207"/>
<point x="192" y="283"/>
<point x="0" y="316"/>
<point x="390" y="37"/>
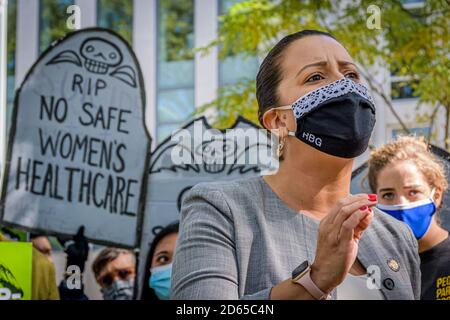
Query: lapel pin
<point x="393" y="265"/>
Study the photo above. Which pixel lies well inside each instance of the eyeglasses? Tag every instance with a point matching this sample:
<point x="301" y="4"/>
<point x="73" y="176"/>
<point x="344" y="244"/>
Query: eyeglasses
<point x="122" y="274"/>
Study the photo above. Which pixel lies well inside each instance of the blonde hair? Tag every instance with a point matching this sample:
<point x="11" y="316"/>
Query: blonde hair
<point x="414" y="149"/>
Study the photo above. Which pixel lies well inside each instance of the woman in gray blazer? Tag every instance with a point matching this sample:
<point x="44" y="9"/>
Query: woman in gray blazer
<point x="299" y="234"/>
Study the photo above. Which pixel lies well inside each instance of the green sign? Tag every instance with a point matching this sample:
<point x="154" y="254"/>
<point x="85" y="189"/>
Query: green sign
<point x="14" y="234"/>
<point x="15" y="270"/>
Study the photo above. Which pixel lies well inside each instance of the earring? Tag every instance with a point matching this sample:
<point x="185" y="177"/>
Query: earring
<point x="283" y="132"/>
<point x="280" y="148"/>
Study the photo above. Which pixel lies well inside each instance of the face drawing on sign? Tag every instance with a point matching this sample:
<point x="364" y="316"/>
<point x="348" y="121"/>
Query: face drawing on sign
<point x="99" y="57"/>
<point x="9" y="288"/>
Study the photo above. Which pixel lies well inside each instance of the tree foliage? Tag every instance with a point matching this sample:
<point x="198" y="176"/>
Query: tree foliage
<point x="11" y="39"/>
<point x="52" y="21"/>
<point x="116" y="15"/>
<point x="414" y="42"/>
<point x="175" y="40"/>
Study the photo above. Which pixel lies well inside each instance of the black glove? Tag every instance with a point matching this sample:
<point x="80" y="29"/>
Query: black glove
<point x="77" y="249"/>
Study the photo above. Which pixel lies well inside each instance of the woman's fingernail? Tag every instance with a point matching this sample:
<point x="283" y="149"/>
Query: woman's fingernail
<point x="363" y="208"/>
<point x="370" y="210"/>
<point x="372" y="197"/>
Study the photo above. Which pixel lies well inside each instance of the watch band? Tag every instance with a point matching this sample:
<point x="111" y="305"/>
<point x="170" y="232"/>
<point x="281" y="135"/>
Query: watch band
<point x="306" y="281"/>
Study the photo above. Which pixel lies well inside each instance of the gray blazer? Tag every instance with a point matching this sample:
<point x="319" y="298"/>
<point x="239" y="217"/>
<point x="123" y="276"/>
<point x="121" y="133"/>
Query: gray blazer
<point x="238" y="239"/>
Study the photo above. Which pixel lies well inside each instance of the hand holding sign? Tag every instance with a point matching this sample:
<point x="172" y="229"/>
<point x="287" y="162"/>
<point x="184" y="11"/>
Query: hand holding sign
<point x="77" y="249"/>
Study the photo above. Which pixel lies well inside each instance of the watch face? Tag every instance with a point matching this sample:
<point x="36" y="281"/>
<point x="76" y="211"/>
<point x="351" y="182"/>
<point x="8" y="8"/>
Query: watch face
<point x="301" y="268"/>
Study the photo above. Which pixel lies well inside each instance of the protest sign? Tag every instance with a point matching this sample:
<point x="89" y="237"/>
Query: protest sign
<point x="78" y="150"/>
<point x="15" y="270"/>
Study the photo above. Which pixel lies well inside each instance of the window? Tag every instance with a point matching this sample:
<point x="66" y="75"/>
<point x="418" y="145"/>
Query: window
<point x="412" y="3"/>
<point x="414" y="131"/>
<point x="235" y="68"/>
<point x="116" y="15"/>
<point x="175" y="65"/>
<point x="403" y="86"/>
<point x="11" y="59"/>
<point x="403" y="89"/>
<point x="52" y="21"/>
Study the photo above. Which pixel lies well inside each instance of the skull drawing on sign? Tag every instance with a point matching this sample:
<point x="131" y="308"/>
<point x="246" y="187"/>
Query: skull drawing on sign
<point x="99" y="55"/>
<point x="215" y="154"/>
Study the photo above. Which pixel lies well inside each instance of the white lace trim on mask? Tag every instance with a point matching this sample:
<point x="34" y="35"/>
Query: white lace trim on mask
<point x="311" y="100"/>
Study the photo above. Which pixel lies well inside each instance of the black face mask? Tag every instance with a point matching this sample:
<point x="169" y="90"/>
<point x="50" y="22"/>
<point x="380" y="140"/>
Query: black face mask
<point x="337" y="119"/>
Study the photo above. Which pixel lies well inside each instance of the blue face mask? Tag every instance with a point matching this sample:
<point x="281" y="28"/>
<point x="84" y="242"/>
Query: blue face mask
<point x="417" y="215"/>
<point x="160" y="281"/>
<point x="119" y="290"/>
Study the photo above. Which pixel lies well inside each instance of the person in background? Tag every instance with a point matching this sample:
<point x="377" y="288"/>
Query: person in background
<point x="77" y="251"/>
<point x="410" y="183"/>
<point x="158" y="269"/>
<point x="42" y="244"/>
<point x="114" y="270"/>
<point x="43" y="285"/>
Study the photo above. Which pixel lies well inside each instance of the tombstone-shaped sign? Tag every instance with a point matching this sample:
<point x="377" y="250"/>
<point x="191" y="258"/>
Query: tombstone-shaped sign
<point x="78" y="149"/>
<point x="196" y="153"/>
<point x="360" y="184"/>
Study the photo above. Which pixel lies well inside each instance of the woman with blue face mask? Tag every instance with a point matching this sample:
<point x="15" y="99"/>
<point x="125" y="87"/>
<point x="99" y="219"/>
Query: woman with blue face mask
<point x="410" y="181"/>
<point x="159" y="264"/>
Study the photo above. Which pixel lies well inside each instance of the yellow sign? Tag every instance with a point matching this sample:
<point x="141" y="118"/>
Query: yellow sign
<point x="443" y="288"/>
